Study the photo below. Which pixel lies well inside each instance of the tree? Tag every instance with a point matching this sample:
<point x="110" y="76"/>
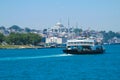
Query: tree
<point x="118" y="35"/>
<point x="12" y="38"/>
<point x="77" y="31"/>
<point x="1" y="37"/>
<point x="2" y="28"/>
<point x="109" y="35"/>
<point x="27" y="29"/>
<point x="23" y="39"/>
<point x="15" y="27"/>
<point x="34" y="39"/>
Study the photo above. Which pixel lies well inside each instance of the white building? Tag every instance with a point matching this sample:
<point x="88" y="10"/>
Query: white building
<point x="54" y="40"/>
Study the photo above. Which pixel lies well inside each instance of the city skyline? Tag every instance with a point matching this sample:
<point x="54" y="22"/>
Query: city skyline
<point x="40" y="14"/>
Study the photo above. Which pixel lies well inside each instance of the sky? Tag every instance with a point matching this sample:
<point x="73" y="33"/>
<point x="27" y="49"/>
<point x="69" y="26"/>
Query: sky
<point x="40" y="14"/>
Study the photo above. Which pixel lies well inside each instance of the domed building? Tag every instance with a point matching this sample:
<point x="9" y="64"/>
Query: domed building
<point x="58" y="28"/>
<point x="56" y="34"/>
<point x="59" y="25"/>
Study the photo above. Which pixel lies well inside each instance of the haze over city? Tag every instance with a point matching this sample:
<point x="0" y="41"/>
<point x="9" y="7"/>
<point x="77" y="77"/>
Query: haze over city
<point x="40" y="14"/>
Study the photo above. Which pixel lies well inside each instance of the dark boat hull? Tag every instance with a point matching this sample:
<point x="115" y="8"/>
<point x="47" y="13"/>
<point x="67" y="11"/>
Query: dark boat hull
<point x="75" y="51"/>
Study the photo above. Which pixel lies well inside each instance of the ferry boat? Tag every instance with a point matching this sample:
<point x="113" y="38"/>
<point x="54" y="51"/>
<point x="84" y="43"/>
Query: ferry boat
<point x="83" y="46"/>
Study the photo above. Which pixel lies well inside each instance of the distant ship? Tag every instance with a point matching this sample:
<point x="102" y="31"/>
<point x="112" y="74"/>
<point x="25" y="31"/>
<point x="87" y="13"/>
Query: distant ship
<point x="83" y="46"/>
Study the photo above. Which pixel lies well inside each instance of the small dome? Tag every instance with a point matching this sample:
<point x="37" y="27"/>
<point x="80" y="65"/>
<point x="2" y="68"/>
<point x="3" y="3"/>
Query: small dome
<point x="59" y="24"/>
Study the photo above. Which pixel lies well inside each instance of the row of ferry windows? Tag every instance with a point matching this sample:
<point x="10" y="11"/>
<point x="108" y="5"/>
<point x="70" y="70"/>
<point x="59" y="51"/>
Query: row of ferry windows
<point x="80" y="42"/>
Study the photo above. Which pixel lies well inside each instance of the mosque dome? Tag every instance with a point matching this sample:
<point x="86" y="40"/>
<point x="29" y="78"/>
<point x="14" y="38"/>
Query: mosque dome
<point x="59" y="24"/>
<point x="58" y="27"/>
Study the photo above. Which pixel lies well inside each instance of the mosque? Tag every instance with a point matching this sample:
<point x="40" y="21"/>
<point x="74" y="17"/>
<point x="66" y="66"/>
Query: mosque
<point x="58" y="28"/>
<point x="58" y="31"/>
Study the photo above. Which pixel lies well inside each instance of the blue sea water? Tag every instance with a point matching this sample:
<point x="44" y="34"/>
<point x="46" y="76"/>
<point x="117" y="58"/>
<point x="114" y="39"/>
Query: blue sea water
<point x="53" y="64"/>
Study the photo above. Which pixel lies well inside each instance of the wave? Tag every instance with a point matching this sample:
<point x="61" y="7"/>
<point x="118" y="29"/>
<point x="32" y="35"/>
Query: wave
<point x="34" y="57"/>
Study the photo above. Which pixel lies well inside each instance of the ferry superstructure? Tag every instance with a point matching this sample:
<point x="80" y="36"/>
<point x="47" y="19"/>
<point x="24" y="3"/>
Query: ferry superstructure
<point x="83" y="46"/>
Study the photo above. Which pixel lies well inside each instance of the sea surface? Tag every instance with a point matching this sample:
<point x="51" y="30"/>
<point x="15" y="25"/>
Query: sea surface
<point x="53" y="64"/>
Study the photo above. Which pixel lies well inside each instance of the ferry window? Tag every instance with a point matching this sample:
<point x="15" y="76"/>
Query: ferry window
<point x="90" y="42"/>
<point x="68" y="46"/>
<point x="69" y="42"/>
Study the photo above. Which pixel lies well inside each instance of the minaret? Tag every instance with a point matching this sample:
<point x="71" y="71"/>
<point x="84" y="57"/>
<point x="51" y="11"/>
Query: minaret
<point x="60" y="20"/>
<point x="76" y="24"/>
<point x="68" y="25"/>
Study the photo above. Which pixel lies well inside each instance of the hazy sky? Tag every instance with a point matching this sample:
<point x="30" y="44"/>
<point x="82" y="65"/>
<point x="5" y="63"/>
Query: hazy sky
<point x="39" y="14"/>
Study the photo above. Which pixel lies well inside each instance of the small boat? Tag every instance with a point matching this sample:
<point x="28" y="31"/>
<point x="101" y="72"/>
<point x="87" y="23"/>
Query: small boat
<point x="83" y="46"/>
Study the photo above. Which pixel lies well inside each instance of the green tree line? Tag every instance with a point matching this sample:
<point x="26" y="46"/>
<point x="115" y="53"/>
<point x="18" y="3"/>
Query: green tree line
<point x="109" y="35"/>
<point x="21" y="38"/>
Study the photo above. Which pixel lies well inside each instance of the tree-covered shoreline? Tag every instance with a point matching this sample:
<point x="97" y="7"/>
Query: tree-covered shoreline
<point x="20" y="39"/>
<point x="107" y="36"/>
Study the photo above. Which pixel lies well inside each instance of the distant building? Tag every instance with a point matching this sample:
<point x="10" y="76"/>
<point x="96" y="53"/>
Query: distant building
<point x="55" y="40"/>
<point x="114" y="40"/>
<point x="58" y="28"/>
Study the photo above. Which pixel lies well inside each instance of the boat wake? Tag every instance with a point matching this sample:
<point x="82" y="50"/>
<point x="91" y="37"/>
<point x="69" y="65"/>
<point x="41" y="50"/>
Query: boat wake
<point x="34" y="57"/>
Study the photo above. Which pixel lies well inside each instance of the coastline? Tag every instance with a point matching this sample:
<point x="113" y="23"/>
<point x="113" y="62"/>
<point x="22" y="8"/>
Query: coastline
<point x="20" y="47"/>
<point x="24" y="47"/>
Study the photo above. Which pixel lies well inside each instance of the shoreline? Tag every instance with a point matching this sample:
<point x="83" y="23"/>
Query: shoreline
<point x="19" y="47"/>
<point x="24" y="47"/>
